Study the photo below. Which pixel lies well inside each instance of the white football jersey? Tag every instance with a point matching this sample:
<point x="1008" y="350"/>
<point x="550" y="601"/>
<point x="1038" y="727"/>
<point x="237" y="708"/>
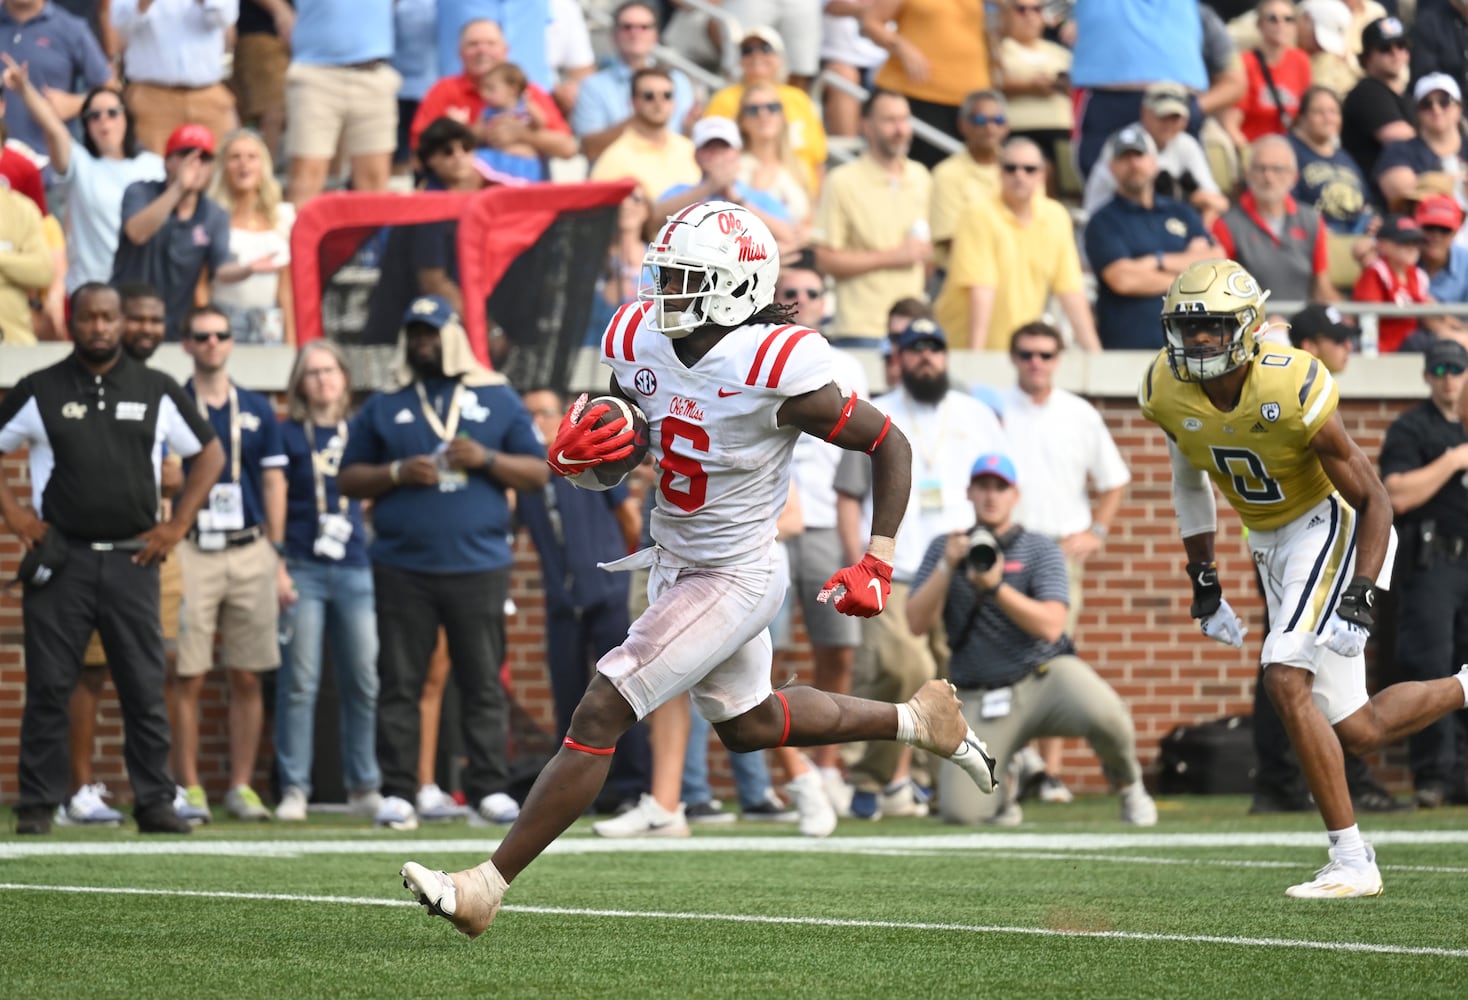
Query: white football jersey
<point x="724" y="462"/>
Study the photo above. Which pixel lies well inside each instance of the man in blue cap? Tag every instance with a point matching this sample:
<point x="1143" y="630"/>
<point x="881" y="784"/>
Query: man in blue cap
<point x="436" y="455"/>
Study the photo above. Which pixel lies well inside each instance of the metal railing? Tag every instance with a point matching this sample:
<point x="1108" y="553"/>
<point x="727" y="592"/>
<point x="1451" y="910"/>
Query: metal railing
<point x="1370" y="314"/>
<point x="732" y="31"/>
<point x="921" y="129"/>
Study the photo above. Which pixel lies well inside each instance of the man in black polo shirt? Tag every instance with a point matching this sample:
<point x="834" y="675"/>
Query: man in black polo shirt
<point x="1015" y="669"/>
<point x="1378" y="110"/>
<point x="99" y="419"/>
<point x="1424" y="465"/>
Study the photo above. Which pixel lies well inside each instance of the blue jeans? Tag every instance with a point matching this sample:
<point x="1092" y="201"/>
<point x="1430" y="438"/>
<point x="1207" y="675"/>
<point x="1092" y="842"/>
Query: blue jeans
<point x="751" y="777"/>
<point x="335" y="602"/>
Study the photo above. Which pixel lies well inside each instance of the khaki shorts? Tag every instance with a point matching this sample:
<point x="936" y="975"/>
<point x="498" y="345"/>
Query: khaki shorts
<point x="158" y="110"/>
<point x="260" y="62"/>
<point x="231" y="592"/>
<point x="327" y="106"/>
<point x="170" y="594"/>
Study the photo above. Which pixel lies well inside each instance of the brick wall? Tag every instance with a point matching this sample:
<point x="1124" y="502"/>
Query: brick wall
<point x="1134" y="629"/>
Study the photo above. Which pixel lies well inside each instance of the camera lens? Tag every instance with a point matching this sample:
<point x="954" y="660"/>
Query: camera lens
<point x="983" y="549"/>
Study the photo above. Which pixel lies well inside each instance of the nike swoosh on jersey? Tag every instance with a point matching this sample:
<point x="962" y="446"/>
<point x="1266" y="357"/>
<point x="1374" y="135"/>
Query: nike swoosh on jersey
<point x="877" y="586"/>
<point x="723" y="393"/>
<point x="573" y="461"/>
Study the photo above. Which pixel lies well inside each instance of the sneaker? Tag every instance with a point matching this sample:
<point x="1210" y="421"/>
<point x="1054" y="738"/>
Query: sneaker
<point x="33" y="820"/>
<point x="1372" y="798"/>
<point x="160" y="817"/>
<point x="906" y="798"/>
<point x="648" y="820"/>
<point x="241" y="802"/>
<point x="1430" y="796"/>
<point x="1338" y="881"/>
<point x="865" y="805"/>
<point x="292" y="805"/>
<point x="191" y="804"/>
<point x="808" y="794"/>
<point x="1137" y="807"/>
<point x="940" y="729"/>
<point x="838" y="791"/>
<point x="396" y="814"/>
<point x="496" y="809"/>
<point x="1266" y="803"/>
<point x="436" y="804"/>
<point x="710" y="813"/>
<point x="769" y="810"/>
<point x="86" y="808"/>
<point x="1053" y="790"/>
<point x="364" y="804"/>
<point x="468" y="899"/>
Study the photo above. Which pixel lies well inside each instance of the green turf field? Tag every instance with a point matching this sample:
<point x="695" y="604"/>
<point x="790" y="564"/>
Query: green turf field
<point x="1072" y="904"/>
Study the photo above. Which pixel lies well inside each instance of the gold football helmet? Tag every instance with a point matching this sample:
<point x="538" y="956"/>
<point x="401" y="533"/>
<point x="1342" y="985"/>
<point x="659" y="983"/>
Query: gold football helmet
<point x="1212" y="315"/>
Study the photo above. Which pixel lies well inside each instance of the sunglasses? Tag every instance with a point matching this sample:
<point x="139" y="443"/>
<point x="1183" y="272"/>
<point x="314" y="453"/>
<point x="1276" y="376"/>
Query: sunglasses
<point x="204" y="338"/>
<point x="1014" y="168"/>
<point x="636" y="26"/>
<point x="773" y="108"/>
<point x="656" y="95"/>
<point x="185" y="151"/>
<point x="1391" y="47"/>
<point x="1438" y="101"/>
<point x="1279" y="19"/>
<point x="1032" y="355"/>
<point x="1438" y="230"/>
<point x="987" y="120"/>
<point x="97" y="113"/>
<point x="1027" y="9"/>
<point x="756" y="49"/>
<point x="791" y="294"/>
<point x="926" y="347"/>
<point x="1445" y="369"/>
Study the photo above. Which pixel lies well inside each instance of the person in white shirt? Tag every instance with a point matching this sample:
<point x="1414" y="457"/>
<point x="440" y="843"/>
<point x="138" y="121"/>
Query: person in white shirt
<point x="259" y="305"/>
<point x="1062" y="445"/>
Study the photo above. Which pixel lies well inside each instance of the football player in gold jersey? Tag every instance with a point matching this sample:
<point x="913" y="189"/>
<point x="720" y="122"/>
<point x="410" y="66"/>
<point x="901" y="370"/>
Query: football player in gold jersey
<point x="1260" y="421"/>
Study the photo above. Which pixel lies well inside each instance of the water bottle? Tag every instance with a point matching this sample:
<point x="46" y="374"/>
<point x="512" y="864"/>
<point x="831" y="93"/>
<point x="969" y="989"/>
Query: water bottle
<point x="285" y="629"/>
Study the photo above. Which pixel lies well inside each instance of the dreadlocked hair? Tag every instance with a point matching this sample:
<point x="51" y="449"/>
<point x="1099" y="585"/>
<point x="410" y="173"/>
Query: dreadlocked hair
<point x="781" y="313"/>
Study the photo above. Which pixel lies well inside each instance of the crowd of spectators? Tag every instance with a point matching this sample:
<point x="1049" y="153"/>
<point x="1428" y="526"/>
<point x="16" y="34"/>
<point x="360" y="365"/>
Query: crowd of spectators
<point x="1093" y="155"/>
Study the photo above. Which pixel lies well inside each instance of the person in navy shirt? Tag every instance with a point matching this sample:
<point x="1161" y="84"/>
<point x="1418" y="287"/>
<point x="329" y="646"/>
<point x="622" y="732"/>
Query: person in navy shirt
<point x="331" y="593"/>
<point x="436" y="456"/>
<point x="232" y="573"/>
<point x="1137" y="243"/>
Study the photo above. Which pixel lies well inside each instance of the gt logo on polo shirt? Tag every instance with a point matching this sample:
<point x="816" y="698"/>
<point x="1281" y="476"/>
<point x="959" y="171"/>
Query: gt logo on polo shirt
<point x="74" y="411"/>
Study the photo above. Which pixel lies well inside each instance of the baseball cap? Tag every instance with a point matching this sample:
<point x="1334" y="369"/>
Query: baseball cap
<point x="920" y="330"/>
<point x="706" y="130"/>
<point x="996" y="465"/>
<point x="1439" y="210"/>
<point x="1445" y="352"/>
<point x="1437" y="81"/>
<point x="191" y="136"/>
<point x="1319" y="321"/>
<point x="1381" y="32"/>
<point x="767" y="35"/>
<point x="1166" y="99"/>
<point x="1400" y="229"/>
<point x="1132" y="139"/>
<point x="1331" y="19"/>
<point x="431" y="310"/>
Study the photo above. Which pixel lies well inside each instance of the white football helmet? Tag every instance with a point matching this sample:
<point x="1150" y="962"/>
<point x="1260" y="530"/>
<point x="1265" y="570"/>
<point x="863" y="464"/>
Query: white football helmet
<point x="1219" y="297"/>
<point x="714" y="263"/>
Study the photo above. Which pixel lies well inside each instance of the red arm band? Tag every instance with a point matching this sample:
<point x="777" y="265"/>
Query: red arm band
<point x="886" y="426"/>
<point x="846" y="412"/>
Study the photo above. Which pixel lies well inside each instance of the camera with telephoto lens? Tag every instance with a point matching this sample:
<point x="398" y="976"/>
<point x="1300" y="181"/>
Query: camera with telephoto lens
<point x="983" y="549"/>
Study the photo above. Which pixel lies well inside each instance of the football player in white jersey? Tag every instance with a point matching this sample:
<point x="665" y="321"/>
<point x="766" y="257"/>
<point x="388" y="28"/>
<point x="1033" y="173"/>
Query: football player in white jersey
<point x="728" y="384"/>
<point x="1261" y="423"/>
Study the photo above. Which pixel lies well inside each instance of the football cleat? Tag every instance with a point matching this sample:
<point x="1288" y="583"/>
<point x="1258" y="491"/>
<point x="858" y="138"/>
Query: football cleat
<point x="1339" y="881"/>
<point x="941" y="729"/>
<point x="469" y="899"/>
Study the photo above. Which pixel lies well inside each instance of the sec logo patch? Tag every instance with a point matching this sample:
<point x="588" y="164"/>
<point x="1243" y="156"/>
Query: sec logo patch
<point x="645" y="381"/>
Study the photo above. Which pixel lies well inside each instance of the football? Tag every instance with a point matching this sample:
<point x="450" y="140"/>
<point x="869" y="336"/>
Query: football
<point x="609" y="474"/>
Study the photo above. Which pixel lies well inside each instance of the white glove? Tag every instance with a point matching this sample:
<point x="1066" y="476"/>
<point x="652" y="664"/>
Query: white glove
<point x="1343" y="638"/>
<point x="1225" y="626"/>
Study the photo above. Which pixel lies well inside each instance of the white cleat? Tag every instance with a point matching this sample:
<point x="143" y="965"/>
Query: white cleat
<point x="1137" y="807"/>
<point x="469" y="899"/>
<point x="808" y="793"/>
<point x="941" y="729"/>
<point x="1337" y="881"/>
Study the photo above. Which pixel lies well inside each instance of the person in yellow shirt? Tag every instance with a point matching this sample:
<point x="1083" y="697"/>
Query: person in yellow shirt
<point x="26" y="266"/>
<point x="648" y="151"/>
<point x="1009" y="255"/>
<point x="972" y="173"/>
<point x="762" y="60"/>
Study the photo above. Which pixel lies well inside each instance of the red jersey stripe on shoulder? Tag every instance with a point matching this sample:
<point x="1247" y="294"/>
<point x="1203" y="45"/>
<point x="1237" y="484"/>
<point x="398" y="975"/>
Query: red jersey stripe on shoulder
<point x="639" y="313"/>
<point x="764" y="348"/>
<point x="617" y="319"/>
<point x="784" y="356"/>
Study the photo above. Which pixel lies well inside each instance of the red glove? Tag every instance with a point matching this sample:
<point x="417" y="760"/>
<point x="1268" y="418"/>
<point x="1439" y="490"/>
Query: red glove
<point x="580" y="444"/>
<point x="867" y="585"/>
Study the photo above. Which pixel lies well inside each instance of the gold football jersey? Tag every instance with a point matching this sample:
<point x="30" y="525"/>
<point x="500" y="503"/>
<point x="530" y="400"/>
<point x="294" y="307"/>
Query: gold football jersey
<point x="1258" y="454"/>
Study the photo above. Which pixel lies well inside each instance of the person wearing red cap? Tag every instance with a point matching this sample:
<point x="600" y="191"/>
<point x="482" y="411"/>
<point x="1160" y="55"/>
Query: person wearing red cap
<point x="171" y="232"/>
<point x="1445" y="262"/>
<point x="1394" y="278"/>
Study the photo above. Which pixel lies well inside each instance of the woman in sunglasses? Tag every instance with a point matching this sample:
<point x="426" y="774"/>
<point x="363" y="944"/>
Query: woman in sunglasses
<point x="1437" y="148"/>
<point x="94" y="173"/>
<point x="768" y="163"/>
<point x="258" y="305"/>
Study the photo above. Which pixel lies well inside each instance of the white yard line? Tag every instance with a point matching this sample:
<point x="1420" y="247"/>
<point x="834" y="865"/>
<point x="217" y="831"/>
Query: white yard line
<point x="1355" y="947"/>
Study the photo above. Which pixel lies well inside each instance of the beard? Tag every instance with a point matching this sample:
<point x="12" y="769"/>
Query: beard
<point x="925" y="388"/>
<point x="141" y="348"/>
<point x="428" y="365"/>
<point x="99" y="355"/>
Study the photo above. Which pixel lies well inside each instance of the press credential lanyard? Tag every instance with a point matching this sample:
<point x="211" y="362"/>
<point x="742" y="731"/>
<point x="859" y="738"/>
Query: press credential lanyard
<point x="234" y="427"/>
<point x="318" y="466"/>
<point x="445" y="429"/>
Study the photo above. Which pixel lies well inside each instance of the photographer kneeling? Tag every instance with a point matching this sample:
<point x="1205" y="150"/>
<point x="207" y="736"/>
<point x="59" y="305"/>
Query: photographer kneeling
<point x="1003" y="593"/>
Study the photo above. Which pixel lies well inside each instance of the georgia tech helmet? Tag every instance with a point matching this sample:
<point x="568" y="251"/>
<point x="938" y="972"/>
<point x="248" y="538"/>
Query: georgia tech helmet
<point x="1218" y="297"/>
<point x="724" y="268"/>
